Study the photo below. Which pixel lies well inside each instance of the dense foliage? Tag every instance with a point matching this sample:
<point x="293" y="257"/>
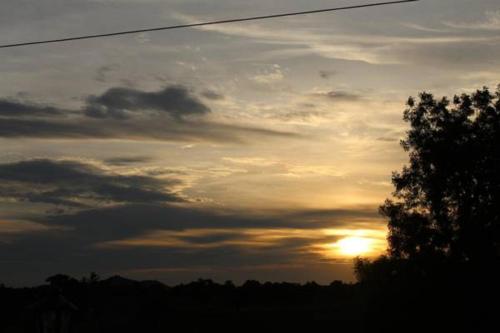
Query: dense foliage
<point x="446" y="206"/>
<point x="443" y="261"/>
<point x="448" y="197"/>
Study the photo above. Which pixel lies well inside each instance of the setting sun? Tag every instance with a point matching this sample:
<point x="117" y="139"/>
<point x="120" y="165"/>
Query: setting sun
<point x="354" y="246"/>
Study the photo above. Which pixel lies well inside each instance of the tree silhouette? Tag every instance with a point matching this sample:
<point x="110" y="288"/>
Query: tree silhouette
<point x="442" y="264"/>
<point x="446" y="205"/>
<point x="449" y="193"/>
<point x="61" y="281"/>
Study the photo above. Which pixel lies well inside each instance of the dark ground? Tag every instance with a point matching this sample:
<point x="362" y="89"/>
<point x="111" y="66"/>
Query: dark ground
<point x="121" y="305"/>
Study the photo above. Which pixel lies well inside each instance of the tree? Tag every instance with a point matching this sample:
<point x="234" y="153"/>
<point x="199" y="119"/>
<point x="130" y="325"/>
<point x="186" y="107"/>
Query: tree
<point x="446" y="204"/>
<point x="447" y="198"/>
<point x="62" y="281"/>
<point x="442" y="264"/>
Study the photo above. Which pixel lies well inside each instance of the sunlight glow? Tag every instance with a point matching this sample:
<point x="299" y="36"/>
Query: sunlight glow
<point x="354" y="246"/>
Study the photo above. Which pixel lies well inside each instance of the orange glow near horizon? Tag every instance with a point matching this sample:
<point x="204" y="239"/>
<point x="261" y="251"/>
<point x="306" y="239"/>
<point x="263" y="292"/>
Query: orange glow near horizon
<point x="344" y="243"/>
<point x="354" y="243"/>
<point x="354" y="246"/>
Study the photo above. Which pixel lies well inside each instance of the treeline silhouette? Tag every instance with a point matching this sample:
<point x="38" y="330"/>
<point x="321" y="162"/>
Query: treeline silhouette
<point x="118" y="304"/>
<point x="441" y="271"/>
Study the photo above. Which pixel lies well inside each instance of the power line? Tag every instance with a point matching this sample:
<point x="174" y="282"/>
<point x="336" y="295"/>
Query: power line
<point x="191" y="25"/>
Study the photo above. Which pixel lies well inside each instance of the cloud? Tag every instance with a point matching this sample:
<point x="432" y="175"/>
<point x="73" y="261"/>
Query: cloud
<point x="8" y="228"/>
<point x="122" y="221"/>
<point x="305" y="115"/>
<point x="175" y="101"/>
<point x="125" y="160"/>
<point x="103" y="71"/>
<point x="200" y="230"/>
<point x="166" y="236"/>
<point x="423" y="28"/>
<point x="340" y="95"/>
<point x="343" y="95"/>
<point x="171" y="114"/>
<point x="37" y="256"/>
<point x="300" y="43"/>
<point x="71" y="183"/>
<point x="490" y="22"/>
<point x="371" y="48"/>
<point x="254" y="240"/>
<point x="149" y="129"/>
<point x="252" y="161"/>
<point x="275" y="74"/>
<point x="12" y="108"/>
<point x="212" y="95"/>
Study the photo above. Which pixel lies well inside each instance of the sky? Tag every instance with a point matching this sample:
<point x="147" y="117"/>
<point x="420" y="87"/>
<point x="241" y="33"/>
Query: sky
<point x="257" y="150"/>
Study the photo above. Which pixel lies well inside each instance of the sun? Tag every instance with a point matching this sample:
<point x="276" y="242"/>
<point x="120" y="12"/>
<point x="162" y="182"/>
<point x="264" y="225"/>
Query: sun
<point x="354" y="246"/>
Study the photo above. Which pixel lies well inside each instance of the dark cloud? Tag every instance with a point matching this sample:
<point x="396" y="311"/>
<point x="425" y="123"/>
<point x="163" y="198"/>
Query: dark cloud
<point x="213" y="238"/>
<point x="88" y="238"/>
<point x="77" y="184"/>
<point x="162" y="129"/>
<point x="51" y="129"/>
<point x="176" y="101"/>
<point x="339" y="95"/>
<point x="13" y="108"/>
<point x="76" y="243"/>
<point x="125" y="160"/>
<point x="299" y="115"/>
<point x="35" y="257"/>
<point x="213" y="95"/>
<point x="116" y="222"/>
<point x="124" y="113"/>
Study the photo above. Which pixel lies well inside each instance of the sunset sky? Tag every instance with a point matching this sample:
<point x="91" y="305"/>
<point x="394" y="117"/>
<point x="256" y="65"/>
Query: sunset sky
<point x="257" y="150"/>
